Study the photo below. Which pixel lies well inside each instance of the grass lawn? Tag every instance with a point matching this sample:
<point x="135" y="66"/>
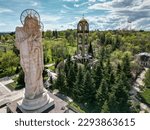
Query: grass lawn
<point x="145" y="95"/>
<point x="76" y="107"/>
<point x="11" y="86"/>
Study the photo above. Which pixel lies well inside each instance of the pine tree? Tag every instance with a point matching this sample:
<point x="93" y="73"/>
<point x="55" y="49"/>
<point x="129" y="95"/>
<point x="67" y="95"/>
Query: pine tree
<point x="126" y="67"/>
<point x="90" y="50"/>
<point x="102" y="54"/>
<point x="75" y="67"/>
<point x="102" y="38"/>
<point x="101" y="94"/>
<point x="119" y="69"/>
<point x="97" y="75"/>
<point x="105" y="107"/>
<point x="109" y="75"/>
<point x="112" y="103"/>
<point x="89" y="89"/>
<point x="67" y="65"/>
<point x="78" y="89"/>
<point x="61" y="83"/>
<point x="70" y="80"/>
<point x="122" y="96"/>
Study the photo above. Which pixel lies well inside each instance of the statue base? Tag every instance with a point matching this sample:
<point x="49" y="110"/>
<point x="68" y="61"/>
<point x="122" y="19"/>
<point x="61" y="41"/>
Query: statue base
<point x="50" y="104"/>
<point x="36" y="105"/>
<point x="54" y="105"/>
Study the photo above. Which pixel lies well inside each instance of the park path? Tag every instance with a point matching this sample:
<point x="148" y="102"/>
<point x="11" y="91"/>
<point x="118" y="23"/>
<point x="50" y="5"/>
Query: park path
<point x="49" y="65"/>
<point x="136" y="89"/>
<point x="6" y="95"/>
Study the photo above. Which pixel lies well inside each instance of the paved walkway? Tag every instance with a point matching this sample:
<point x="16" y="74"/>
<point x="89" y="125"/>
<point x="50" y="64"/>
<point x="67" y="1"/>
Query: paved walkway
<point x="136" y="89"/>
<point x="6" y="95"/>
<point x="3" y="110"/>
<point x="49" y="65"/>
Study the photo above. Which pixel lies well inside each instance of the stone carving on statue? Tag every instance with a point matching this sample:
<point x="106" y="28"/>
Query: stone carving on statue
<point x="29" y="43"/>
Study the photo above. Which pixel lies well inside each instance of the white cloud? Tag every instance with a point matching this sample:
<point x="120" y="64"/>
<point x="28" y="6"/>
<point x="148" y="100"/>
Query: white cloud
<point x="49" y="18"/>
<point x="92" y="0"/>
<point x="63" y="11"/>
<point x="102" y="0"/>
<point x="34" y="3"/>
<point x="65" y="6"/>
<point x="120" y="11"/>
<point x="76" y="5"/>
<point x="5" y="10"/>
<point x="71" y="0"/>
<point x="101" y="6"/>
<point x="82" y="4"/>
<point x="114" y="4"/>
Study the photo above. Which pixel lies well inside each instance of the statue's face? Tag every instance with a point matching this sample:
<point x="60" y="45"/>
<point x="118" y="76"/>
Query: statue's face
<point x="31" y="23"/>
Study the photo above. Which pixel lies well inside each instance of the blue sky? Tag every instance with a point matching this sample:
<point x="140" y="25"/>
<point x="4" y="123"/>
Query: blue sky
<point x="63" y="14"/>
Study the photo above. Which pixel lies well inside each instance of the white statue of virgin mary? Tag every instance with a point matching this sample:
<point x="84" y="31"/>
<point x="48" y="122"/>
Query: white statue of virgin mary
<point x="28" y="42"/>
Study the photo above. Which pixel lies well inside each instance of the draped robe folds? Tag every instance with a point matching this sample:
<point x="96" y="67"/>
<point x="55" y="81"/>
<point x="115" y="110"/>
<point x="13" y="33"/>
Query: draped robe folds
<point x="31" y="60"/>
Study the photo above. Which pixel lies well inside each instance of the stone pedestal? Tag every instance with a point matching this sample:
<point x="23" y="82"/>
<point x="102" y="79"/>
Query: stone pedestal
<point x="48" y="105"/>
<point x="54" y="105"/>
<point x="36" y="105"/>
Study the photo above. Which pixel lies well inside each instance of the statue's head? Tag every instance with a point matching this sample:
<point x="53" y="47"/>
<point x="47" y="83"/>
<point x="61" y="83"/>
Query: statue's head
<point x="31" y="24"/>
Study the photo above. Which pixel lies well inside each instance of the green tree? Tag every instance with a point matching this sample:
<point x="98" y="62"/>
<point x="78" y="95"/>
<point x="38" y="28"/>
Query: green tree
<point x="20" y="80"/>
<point x="126" y="67"/>
<point x="48" y="34"/>
<point x="98" y="75"/>
<point x="101" y="94"/>
<point x="78" y="89"/>
<point x="70" y="80"/>
<point x="122" y="96"/>
<point x="105" y="108"/>
<point x="90" y="50"/>
<point x="71" y="40"/>
<point x="9" y="62"/>
<point x="102" y="38"/>
<point x="113" y="103"/>
<point x="147" y="79"/>
<point x="3" y="39"/>
<point x="60" y="83"/>
<point x="89" y="89"/>
<point x="109" y="75"/>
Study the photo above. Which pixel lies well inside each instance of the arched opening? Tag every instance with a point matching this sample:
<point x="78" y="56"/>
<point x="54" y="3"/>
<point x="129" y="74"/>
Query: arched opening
<point x="86" y="39"/>
<point x="79" y="27"/>
<point x="86" y="27"/>
<point x="80" y="39"/>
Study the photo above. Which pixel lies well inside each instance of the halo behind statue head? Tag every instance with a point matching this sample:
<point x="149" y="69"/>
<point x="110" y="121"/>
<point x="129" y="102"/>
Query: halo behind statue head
<point x="32" y="14"/>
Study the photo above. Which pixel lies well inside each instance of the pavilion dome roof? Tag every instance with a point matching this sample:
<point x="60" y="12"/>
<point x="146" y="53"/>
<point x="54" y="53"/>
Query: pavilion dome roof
<point x="83" y="20"/>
